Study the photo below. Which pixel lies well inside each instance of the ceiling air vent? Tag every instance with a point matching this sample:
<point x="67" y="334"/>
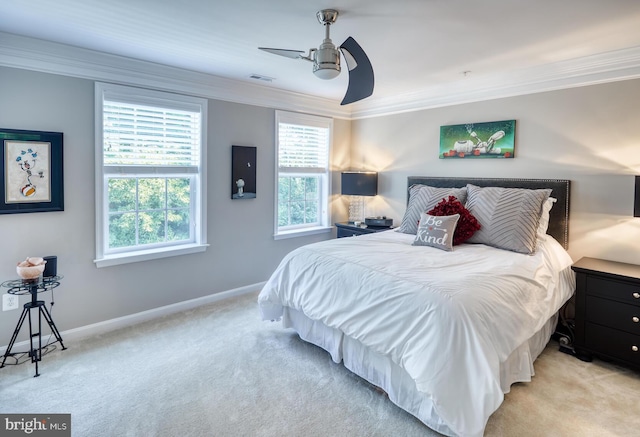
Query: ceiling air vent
<point x="261" y="77"/>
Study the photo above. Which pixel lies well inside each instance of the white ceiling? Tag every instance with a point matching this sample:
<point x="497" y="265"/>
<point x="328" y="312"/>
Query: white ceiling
<point x="417" y="47"/>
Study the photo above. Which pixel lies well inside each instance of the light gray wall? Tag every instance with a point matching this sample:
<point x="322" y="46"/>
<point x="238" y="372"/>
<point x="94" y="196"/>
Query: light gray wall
<point x="584" y="134"/>
<point x="588" y="135"/>
<point x="242" y="250"/>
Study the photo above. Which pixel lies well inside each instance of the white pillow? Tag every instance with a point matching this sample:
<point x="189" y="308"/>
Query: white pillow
<point x="543" y="225"/>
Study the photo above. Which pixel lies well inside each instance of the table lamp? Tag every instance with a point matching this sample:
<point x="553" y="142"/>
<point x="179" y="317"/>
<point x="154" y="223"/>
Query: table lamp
<point x="358" y="184"/>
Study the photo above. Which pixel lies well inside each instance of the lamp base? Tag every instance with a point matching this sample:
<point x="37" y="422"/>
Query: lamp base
<point x="356" y="209"/>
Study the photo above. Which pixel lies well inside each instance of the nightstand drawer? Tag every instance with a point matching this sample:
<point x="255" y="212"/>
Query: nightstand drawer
<point x="348" y="233"/>
<point x="351" y="230"/>
<point x="611" y="289"/>
<point x="614" y="343"/>
<point x="613" y="314"/>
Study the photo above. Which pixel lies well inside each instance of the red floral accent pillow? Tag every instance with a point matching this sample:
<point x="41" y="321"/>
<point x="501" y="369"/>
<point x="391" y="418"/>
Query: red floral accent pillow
<point x="467" y="225"/>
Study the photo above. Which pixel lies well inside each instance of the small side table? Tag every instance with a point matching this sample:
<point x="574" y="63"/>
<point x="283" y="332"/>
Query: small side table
<point x="351" y="230"/>
<point x="33" y="287"/>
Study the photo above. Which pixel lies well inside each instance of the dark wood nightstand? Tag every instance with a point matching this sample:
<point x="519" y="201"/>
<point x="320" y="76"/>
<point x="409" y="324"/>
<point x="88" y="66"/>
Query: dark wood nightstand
<point x="607" y="320"/>
<point x="351" y="230"/>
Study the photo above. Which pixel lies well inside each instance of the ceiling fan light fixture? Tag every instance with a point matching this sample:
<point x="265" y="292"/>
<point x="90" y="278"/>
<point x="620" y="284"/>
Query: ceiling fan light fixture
<point x="326" y="64"/>
<point x="326" y="71"/>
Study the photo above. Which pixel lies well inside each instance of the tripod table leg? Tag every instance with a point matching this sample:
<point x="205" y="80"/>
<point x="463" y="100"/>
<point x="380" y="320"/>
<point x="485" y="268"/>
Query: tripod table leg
<point x="52" y="326"/>
<point x="15" y="335"/>
<point x="33" y="353"/>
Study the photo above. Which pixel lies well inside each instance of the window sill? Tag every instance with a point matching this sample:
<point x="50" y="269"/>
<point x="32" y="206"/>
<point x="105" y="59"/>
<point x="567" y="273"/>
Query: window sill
<point x="301" y="232"/>
<point x="147" y="255"/>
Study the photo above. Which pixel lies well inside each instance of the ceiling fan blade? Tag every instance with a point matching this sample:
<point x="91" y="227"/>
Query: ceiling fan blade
<point x="293" y="54"/>
<point x="360" y="72"/>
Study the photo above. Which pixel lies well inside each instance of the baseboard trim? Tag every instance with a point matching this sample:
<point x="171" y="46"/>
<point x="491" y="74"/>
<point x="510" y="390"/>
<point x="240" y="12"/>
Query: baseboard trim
<point x="99" y="328"/>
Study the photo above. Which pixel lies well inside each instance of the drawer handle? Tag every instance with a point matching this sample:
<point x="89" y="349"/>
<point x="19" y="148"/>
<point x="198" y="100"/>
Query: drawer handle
<point x="634" y="348"/>
<point x="635" y="319"/>
<point x="636" y="295"/>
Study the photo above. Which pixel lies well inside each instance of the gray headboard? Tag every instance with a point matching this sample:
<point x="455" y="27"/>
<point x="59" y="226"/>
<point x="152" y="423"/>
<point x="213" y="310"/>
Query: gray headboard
<point x="561" y="189"/>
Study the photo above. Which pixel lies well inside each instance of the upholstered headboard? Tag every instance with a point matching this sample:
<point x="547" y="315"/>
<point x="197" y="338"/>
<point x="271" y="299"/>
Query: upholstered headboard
<point x="561" y="189"/>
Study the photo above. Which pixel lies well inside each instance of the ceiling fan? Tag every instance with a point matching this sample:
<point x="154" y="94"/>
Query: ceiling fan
<point x="326" y="60"/>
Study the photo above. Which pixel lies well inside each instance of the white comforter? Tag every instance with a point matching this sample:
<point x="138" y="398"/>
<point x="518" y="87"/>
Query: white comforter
<point x="447" y="318"/>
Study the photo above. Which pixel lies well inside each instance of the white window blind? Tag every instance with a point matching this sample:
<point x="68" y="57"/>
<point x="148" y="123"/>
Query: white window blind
<point x="303" y="144"/>
<point x="138" y="135"/>
<point x="303" y="148"/>
<point x="151" y="174"/>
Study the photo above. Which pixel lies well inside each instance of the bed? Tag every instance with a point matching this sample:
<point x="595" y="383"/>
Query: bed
<point x="444" y="332"/>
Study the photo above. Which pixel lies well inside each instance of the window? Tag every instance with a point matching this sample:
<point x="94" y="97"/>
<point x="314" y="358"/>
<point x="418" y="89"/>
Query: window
<point x="302" y="167"/>
<point x="150" y="174"/>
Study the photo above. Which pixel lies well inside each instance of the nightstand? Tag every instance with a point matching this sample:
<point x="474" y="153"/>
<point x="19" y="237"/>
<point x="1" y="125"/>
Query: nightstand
<point x="607" y="319"/>
<point x="351" y="230"/>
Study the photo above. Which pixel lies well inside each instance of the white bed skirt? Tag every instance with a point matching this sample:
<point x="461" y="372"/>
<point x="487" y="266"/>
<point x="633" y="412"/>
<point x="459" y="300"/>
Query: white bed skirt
<point x="384" y="373"/>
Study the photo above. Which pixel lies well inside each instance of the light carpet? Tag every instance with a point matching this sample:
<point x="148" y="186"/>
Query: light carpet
<point x="220" y="371"/>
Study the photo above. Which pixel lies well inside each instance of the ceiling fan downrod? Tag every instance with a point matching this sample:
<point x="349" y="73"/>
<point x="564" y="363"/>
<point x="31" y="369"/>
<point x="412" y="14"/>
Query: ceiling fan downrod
<point x="326" y="63"/>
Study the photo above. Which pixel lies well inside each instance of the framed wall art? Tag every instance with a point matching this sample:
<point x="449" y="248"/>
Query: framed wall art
<point x="495" y="139"/>
<point x="32" y="173"/>
<point x="243" y="172"/>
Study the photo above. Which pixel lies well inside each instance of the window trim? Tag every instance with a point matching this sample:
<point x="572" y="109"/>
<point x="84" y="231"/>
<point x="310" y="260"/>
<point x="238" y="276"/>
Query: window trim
<point x="325" y="198"/>
<point x="159" y="98"/>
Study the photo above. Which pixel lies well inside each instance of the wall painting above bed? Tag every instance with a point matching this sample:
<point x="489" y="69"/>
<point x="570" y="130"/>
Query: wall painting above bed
<point x="495" y="139"/>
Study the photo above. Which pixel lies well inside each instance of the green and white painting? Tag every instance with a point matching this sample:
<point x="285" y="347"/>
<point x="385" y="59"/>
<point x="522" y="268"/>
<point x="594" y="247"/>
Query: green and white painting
<point x="495" y="139"/>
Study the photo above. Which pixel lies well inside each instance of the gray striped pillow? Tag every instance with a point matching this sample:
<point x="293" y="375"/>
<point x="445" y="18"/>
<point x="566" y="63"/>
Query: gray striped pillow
<point x="423" y="198"/>
<point x="509" y="216"/>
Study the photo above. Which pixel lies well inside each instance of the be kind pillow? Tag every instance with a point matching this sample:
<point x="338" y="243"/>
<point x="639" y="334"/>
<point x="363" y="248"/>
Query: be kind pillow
<point x="436" y="231"/>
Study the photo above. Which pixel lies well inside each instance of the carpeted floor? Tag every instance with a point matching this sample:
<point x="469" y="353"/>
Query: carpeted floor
<point x="220" y="371"/>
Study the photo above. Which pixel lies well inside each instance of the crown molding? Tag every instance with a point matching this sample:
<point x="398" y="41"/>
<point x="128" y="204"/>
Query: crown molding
<point x="49" y="57"/>
<point x="45" y="56"/>
<point x="589" y="70"/>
